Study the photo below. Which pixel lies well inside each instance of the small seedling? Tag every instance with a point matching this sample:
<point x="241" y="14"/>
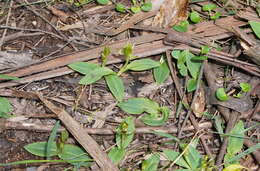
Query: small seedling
<point x="209" y="8"/>
<point x="124" y="136"/>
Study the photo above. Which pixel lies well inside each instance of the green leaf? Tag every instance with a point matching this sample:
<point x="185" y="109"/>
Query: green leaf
<point x="199" y="58"/>
<point x="182" y="27"/>
<point x="154" y="119"/>
<point x="172" y="156"/>
<point x="52" y="139"/>
<point x="95" y="75"/>
<point x="256" y="27"/>
<point x="215" y="16"/>
<point x="245" y="87"/>
<point x="192" y="156"/>
<point x="235" y="144"/>
<point x="191" y="85"/>
<point x="151" y="164"/>
<point x="221" y="94"/>
<point x="193" y="66"/>
<point x="209" y="7"/>
<point x="258" y="8"/>
<point x="146" y="7"/>
<point x="83" y="67"/>
<point x="205" y="49"/>
<point x="139" y="105"/>
<point x="175" y="54"/>
<point x="5" y="106"/>
<point x="72" y="152"/>
<point x="5" y="115"/>
<point x="244" y="153"/>
<point x="103" y="2"/>
<point x="39" y="149"/>
<point x="120" y="8"/>
<point x="195" y="17"/>
<point x="6" y="77"/>
<point x="183" y="70"/>
<point x="162" y="72"/>
<point x="135" y="9"/>
<point x="142" y="65"/>
<point x="234" y="167"/>
<point x="125" y="132"/>
<point x="116" y="154"/>
<point x="116" y="86"/>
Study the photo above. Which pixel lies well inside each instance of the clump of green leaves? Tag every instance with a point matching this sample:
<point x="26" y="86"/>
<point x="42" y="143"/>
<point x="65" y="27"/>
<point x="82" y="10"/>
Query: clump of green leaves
<point x="154" y="114"/>
<point x="94" y="72"/>
<point x="124" y="136"/>
<point x="188" y="65"/>
<point x="210" y="9"/>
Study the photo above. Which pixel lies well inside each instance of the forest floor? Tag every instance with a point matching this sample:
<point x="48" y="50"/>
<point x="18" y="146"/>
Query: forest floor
<point x="129" y="85"/>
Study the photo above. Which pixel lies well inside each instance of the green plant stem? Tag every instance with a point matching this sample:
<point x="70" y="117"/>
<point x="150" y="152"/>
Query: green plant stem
<point x="123" y="69"/>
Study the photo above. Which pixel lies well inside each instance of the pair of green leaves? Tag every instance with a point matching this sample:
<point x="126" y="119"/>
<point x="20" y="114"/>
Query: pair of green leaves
<point x="188" y="63"/>
<point x="124" y="136"/>
<point x="70" y="153"/>
<point x="155" y="115"/>
<point x="67" y="152"/>
<point x="209" y="8"/>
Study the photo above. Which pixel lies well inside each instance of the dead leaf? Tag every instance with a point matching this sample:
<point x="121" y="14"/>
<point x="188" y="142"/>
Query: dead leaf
<point x="199" y="103"/>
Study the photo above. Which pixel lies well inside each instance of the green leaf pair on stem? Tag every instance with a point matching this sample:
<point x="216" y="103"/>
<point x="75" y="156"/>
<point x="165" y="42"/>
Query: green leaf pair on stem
<point x="66" y="152"/>
<point x="94" y="72"/>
